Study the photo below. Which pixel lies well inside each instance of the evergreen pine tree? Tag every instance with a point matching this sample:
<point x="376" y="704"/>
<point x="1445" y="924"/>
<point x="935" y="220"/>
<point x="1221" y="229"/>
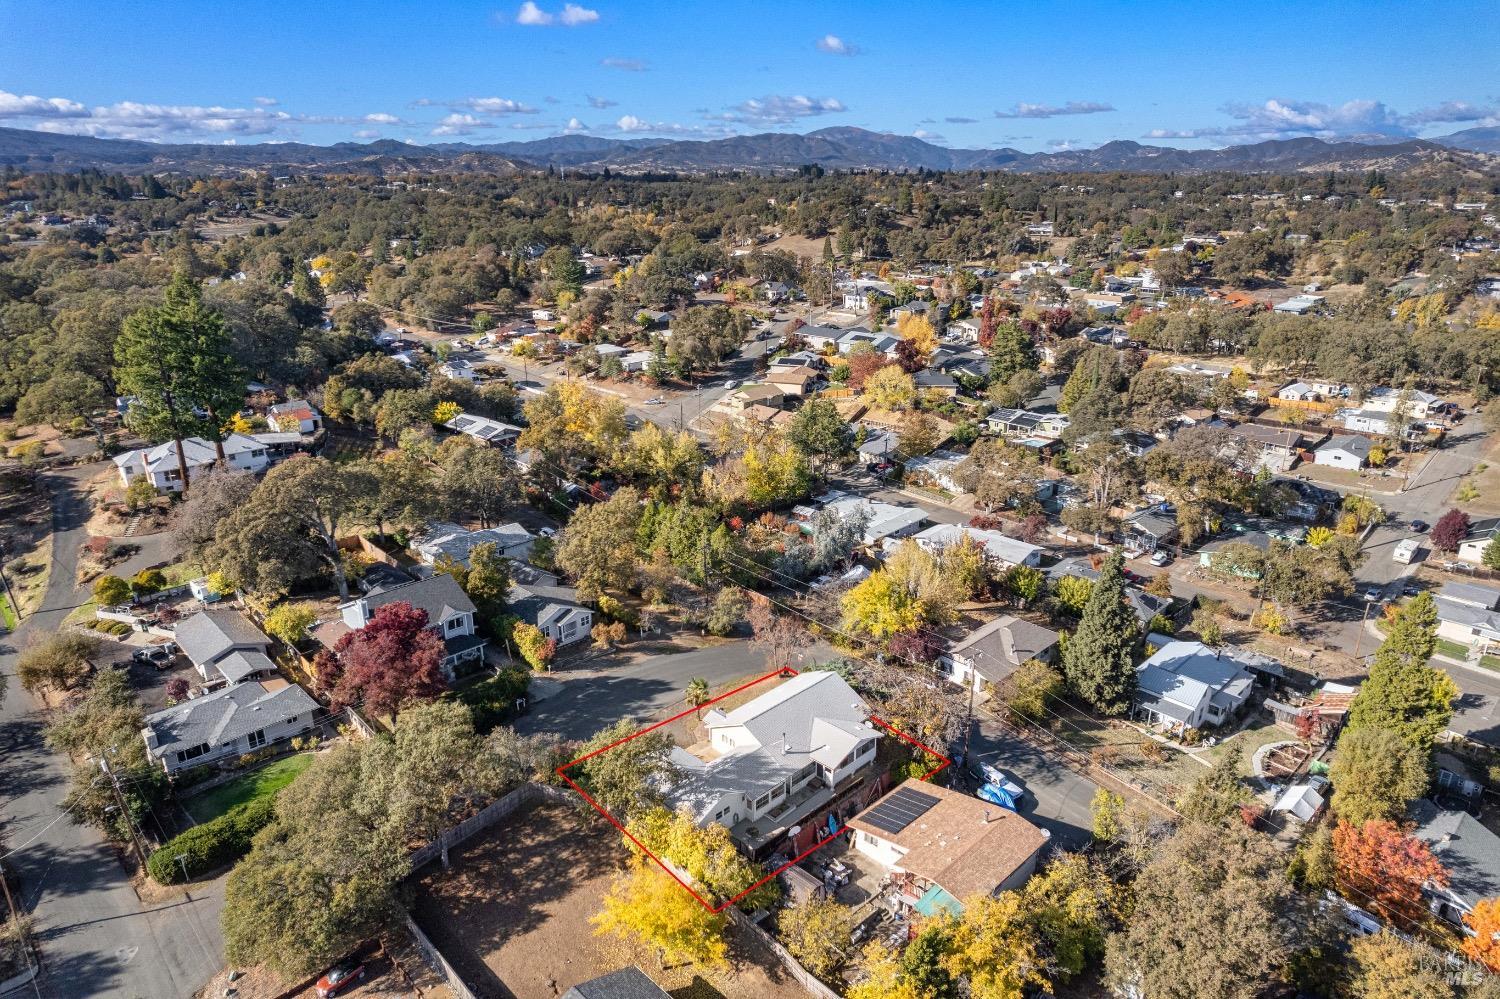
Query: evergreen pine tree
<point x="1404" y="694"/>
<point x="1099" y="662"/>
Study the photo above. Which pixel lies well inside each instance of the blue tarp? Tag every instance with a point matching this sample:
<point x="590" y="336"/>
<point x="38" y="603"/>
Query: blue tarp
<point x="997" y="796"/>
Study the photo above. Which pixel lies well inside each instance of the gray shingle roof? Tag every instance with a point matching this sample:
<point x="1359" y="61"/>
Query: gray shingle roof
<point x="627" y="983"/>
<point x="1464" y="846"/>
<point x="226" y="715"/>
<point x="440" y="596"/>
<point x="542" y="605"/>
<point x="1004" y="644"/>
<point x="210" y="634"/>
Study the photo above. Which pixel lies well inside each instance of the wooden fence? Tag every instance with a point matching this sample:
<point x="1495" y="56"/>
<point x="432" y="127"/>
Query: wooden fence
<point x="489" y="815"/>
<point x="1306" y="405"/>
<point x="436" y="961"/>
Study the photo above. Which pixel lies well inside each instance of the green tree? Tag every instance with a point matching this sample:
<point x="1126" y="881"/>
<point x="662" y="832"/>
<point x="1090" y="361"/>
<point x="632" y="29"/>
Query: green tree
<point x="819" y="432"/>
<point x="697" y="693"/>
<point x="1099" y="661"/>
<point x="1375" y="774"/>
<point x="627" y="780"/>
<point x="1216" y="796"/>
<point x="63" y="398"/>
<point x="923" y="966"/>
<point x="1403" y="694"/>
<point x="174" y="360"/>
<point x="60" y="661"/>
<point x="111" y="591"/>
<point x="590" y="548"/>
<point x="1215" y="917"/>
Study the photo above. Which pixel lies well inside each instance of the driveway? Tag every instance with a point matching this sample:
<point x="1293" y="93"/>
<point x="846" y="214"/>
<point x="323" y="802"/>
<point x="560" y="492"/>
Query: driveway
<point x="96" y="936"/>
<point x="648" y="690"/>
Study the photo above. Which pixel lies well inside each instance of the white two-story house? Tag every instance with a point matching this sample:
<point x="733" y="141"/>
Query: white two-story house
<point x="780" y="761"/>
<point x="450" y="613"/>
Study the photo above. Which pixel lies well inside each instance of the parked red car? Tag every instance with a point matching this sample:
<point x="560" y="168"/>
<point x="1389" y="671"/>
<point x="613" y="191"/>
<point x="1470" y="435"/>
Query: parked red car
<point x="340" y="978"/>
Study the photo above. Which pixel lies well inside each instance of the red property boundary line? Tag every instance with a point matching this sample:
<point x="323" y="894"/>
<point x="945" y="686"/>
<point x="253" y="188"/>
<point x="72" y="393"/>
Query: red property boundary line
<point x="786" y="672"/>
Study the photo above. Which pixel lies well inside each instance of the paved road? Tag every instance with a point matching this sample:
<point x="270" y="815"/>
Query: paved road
<point x="97" y="938"/>
<point x="647" y="690"/>
<point x="1057" y="799"/>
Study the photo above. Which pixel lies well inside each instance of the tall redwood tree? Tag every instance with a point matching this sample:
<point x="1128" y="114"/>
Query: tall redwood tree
<point x="386" y="665"/>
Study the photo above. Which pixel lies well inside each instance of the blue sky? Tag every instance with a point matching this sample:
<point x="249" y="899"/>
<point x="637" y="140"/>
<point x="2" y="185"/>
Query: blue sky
<point x="1034" y="76"/>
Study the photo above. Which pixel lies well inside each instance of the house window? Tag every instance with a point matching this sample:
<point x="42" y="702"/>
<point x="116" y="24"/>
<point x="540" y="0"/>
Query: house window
<point x="454" y="624"/>
<point x="192" y="753"/>
<point x="763" y="800"/>
<point x="257" y="739"/>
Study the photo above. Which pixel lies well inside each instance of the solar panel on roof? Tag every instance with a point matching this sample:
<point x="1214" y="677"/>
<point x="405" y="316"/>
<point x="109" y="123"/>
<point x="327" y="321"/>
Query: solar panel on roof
<point x="462" y="423"/>
<point x="489" y="432"/>
<point x="903" y="807"/>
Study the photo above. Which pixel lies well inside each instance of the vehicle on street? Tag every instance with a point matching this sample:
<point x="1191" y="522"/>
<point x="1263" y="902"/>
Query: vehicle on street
<point x="547" y="532"/>
<point x="1405" y="551"/>
<point x="985" y="773"/>
<point x="1161" y="558"/>
<point x="1420" y="526"/>
<point x="340" y="978"/>
<point x="1410" y="588"/>
<point x="655" y="400"/>
<point x="731" y="384"/>
<point x="1372" y="593"/>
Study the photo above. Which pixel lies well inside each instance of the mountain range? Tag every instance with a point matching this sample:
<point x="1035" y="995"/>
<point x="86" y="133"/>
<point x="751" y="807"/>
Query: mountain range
<point x="838" y="148"/>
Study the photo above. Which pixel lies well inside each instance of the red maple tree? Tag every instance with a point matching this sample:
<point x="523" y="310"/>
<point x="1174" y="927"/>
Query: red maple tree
<point x="1385" y="869"/>
<point x="1451" y="528"/>
<point x="384" y="666"/>
<point x="1484" y="945"/>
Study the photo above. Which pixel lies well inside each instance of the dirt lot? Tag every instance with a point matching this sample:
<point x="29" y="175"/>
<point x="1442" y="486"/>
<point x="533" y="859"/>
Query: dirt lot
<point x="513" y="915"/>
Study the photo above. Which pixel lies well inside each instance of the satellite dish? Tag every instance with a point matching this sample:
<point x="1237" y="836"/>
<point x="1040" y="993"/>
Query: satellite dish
<point x="792" y="832"/>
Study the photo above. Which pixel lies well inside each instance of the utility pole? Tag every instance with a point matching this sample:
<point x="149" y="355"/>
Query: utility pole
<point x="114" y="785"/>
<point x="15" y="919"/>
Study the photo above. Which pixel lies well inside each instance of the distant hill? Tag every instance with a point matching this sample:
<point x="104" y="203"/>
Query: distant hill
<point x="31" y="150"/>
<point x="840" y="148"/>
<point x="1479" y="140"/>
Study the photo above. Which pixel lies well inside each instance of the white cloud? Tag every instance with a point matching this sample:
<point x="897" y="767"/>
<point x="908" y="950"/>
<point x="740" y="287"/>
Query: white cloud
<point x="834" y="45"/>
<point x="460" y="124"/>
<point x="958" y="120"/>
<point x="602" y="102"/>
<point x="533" y="15"/>
<point x="927" y="136"/>
<point x="574" y="15"/>
<point x="267" y="102"/>
<point x="367" y="133"/>
<point x="1053" y="111"/>
<point x="574" y="125"/>
<point x="1454" y="111"/>
<point x="780" y="109"/>
<point x="381" y="118"/>
<point x="494" y="105"/>
<point x="628" y="65"/>
<point x="27" y="106"/>
<point x="631" y="123"/>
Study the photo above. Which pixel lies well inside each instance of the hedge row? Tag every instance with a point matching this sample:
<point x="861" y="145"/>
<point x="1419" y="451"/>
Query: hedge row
<point x="213" y="844"/>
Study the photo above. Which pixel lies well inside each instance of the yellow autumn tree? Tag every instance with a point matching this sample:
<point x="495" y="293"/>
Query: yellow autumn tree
<point x="890" y="388"/>
<point x="445" y="411"/>
<point x="995" y="947"/>
<point x="882" y="976"/>
<point x="917" y="331"/>
<point x="647" y="905"/>
<point x="774" y="472"/>
<point x="878" y="606"/>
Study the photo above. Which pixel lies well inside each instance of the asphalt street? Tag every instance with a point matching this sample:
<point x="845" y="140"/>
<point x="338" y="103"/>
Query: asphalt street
<point x="96" y="937"/>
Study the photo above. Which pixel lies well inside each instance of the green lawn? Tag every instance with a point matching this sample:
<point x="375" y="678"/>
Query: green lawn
<point x="265" y="781"/>
<point x="1452" y="649"/>
<point x="181" y="573"/>
<point x="7" y="613"/>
